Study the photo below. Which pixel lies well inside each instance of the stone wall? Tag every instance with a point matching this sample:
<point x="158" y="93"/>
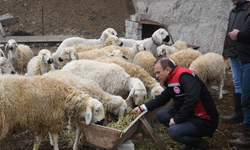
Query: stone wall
<point x="197" y="22"/>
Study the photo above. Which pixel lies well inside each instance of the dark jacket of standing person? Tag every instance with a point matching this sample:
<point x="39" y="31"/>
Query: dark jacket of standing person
<point x="243" y="37"/>
<point x="229" y="49"/>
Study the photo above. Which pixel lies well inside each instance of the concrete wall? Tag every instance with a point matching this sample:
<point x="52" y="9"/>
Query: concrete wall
<point x="197" y="22"/>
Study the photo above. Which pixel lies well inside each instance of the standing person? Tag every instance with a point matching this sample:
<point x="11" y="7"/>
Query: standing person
<point x="236" y="19"/>
<point x="243" y="46"/>
<point x="194" y="114"/>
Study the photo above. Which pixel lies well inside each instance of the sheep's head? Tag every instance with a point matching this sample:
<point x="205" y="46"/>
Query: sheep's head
<point x="138" y="91"/>
<point x="68" y="54"/>
<point x="156" y="90"/>
<point x="113" y="41"/>
<point x="93" y="111"/>
<point x="109" y="32"/>
<point x="45" y="56"/>
<point x="11" y="44"/>
<point x="138" y="46"/>
<point x="6" y="67"/>
<point x="162" y="50"/>
<point x="119" y="54"/>
<point x="121" y="106"/>
<point x="160" y="35"/>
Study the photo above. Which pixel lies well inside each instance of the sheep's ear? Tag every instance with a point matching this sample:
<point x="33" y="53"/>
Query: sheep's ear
<point x="7" y="45"/>
<point x="124" y="57"/>
<point x="104" y="36"/>
<point x="131" y="93"/>
<point x="3" y="53"/>
<point x="40" y="56"/>
<point x="121" y="113"/>
<point x="76" y="55"/>
<point x="72" y="56"/>
<point x="88" y="115"/>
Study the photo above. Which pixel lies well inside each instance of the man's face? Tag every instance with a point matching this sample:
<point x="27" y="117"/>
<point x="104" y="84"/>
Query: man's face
<point x="161" y="74"/>
<point x="236" y="2"/>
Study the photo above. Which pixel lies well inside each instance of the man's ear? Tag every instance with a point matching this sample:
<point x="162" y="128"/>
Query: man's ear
<point x="168" y="70"/>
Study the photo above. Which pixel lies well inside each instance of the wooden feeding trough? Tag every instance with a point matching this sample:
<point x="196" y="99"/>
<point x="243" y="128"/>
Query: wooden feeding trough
<point x="103" y="137"/>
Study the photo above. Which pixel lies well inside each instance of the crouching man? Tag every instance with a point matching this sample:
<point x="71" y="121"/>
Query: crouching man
<point x="193" y="115"/>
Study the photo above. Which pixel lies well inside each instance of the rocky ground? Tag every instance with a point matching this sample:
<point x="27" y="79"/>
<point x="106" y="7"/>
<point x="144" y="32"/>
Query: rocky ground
<point x="88" y="19"/>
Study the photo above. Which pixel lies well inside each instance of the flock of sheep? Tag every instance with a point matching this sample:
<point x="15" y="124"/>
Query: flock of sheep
<point x="89" y="79"/>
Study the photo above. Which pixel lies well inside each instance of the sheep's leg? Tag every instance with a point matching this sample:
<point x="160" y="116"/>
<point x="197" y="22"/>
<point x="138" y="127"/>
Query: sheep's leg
<point x="78" y="133"/>
<point x="50" y="139"/>
<point x="37" y="140"/>
<point x="221" y="89"/>
<point x="54" y="137"/>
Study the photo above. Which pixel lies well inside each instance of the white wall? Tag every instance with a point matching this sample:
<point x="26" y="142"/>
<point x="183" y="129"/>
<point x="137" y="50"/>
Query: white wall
<point x="197" y="22"/>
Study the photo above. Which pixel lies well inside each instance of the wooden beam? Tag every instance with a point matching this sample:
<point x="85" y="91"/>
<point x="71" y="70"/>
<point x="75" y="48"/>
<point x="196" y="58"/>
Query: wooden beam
<point x="2" y="30"/>
<point x="154" y="137"/>
<point x="9" y="21"/>
<point x="35" y="39"/>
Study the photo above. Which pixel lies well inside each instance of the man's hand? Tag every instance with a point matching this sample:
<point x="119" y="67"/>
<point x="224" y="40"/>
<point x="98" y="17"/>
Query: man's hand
<point x="138" y="110"/>
<point x="171" y="122"/>
<point x="233" y="34"/>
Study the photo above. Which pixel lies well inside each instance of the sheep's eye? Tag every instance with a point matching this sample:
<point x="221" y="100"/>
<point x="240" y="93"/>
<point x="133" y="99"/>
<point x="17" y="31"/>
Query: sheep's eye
<point x="113" y="33"/>
<point x="67" y="53"/>
<point x="97" y="111"/>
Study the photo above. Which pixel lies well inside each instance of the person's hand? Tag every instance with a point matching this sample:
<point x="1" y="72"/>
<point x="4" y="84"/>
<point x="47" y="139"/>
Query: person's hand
<point x="138" y="110"/>
<point x="225" y="58"/>
<point x="233" y="34"/>
<point x="171" y="122"/>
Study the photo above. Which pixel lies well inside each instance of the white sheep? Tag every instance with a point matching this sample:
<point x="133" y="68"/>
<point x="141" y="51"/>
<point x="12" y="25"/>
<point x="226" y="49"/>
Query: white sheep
<point x="6" y="67"/>
<point x="69" y="42"/>
<point x="67" y="54"/>
<point x="110" y="41"/>
<point x="118" y="54"/>
<point x="19" y="56"/>
<point x="153" y="87"/>
<point x="210" y="67"/>
<point x="41" y="63"/>
<point x="150" y="44"/>
<point x="44" y="106"/>
<point x="111" y="103"/>
<point x="184" y="58"/>
<point x="112" y="78"/>
<point x="72" y="41"/>
<point x="165" y="50"/>
<point x="129" y="52"/>
<point x="146" y="60"/>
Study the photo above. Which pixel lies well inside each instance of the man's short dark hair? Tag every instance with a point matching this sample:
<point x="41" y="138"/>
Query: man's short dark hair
<point x="165" y="62"/>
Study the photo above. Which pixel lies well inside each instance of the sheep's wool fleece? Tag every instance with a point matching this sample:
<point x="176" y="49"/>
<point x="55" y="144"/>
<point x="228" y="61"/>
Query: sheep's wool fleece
<point x="184" y="58"/>
<point x="89" y="87"/>
<point x="134" y="71"/>
<point x="209" y="67"/>
<point x="112" y="78"/>
<point x="146" y="60"/>
<point x="32" y="101"/>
